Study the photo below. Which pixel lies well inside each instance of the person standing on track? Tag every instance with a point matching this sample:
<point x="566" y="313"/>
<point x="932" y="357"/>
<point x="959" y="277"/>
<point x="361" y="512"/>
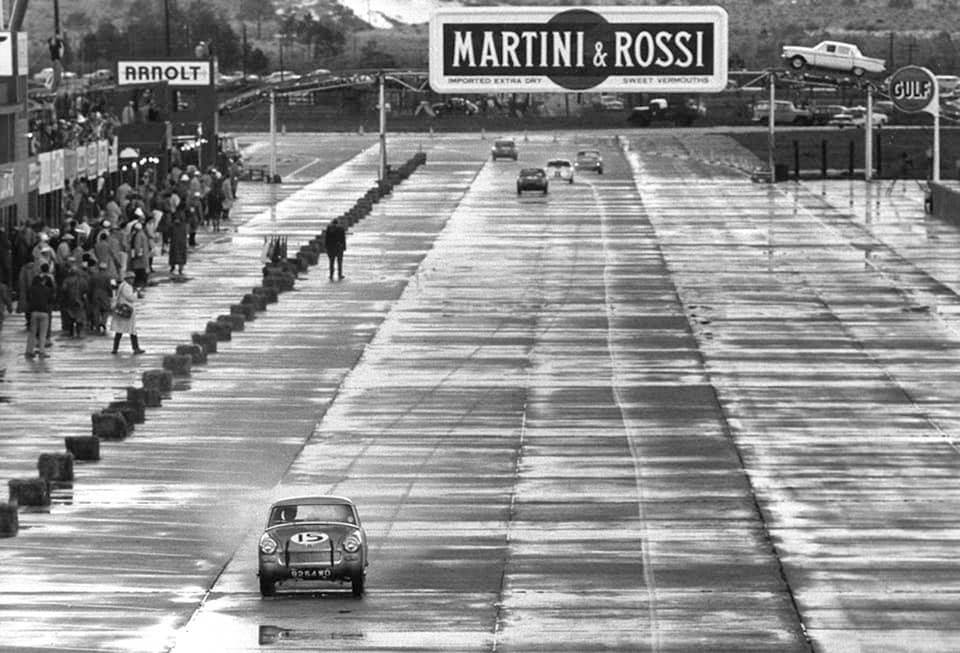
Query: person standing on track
<point x="335" y="243"/>
<point x="124" y="320"/>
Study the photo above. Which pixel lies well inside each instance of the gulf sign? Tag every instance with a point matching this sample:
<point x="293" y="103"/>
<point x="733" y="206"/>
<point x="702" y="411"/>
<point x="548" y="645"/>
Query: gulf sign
<point x="534" y="49"/>
<point x="196" y="72"/>
<point x="914" y="89"/>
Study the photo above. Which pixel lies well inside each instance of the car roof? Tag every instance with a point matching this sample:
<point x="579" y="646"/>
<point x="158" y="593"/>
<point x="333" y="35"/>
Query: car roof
<point x="313" y="500"/>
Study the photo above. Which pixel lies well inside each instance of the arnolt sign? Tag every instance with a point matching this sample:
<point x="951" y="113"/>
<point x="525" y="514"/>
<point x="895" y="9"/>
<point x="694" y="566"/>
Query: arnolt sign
<point x="531" y="49"/>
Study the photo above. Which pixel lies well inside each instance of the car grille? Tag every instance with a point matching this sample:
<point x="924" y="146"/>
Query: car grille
<point x="309" y="558"/>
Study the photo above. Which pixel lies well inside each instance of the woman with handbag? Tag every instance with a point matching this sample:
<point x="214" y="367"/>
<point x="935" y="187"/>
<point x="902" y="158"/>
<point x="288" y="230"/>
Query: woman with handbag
<point x="124" y="319"/>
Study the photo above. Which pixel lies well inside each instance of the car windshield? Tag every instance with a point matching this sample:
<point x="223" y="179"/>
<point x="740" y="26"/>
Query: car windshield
<point x="559" y="163"/>
<point x="531" y="172"/>
<point x="322" y="512"/>
<point x="504" y="144"/>
<point x="588" y="155"/>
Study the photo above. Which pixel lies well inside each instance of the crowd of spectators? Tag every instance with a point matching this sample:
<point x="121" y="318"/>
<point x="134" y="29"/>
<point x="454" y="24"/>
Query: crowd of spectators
<point x="67" y="121"/>
<point x="107" y="233"/>
<point x="81" y="120"/>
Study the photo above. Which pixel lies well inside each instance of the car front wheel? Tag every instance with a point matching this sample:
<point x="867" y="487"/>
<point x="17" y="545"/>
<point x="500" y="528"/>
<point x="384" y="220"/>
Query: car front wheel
<point x="797" y="62"/>
<point x="358" y="585"/>
<point x="267" y="587"/>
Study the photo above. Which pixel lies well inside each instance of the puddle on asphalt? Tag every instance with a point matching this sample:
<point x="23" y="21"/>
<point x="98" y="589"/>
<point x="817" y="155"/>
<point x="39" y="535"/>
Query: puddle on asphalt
<point x="61" y="493"/>
<point x="275" y="634"/>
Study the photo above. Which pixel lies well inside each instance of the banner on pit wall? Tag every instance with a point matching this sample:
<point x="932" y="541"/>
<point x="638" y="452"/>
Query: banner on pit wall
<point x="57" y="175"/>
<point x="69" y="164"/>
<point x="92" y="154"/>
<point x="6" y="54"/>
<point x="6" y="184"/>
<point x="103" y="154"/>
<point x="113" y="164"/>
<point x="33" y="176"/>
<point x="79" y="162"/>
<point x="45" y="161"/>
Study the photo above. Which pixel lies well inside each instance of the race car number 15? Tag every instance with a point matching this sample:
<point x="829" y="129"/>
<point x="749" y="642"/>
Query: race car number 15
<point x="309" y="538"/>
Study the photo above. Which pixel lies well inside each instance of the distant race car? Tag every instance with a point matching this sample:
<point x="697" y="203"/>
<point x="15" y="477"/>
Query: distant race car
<point x="560" y="169"/>
<point x="589" y="160"/>
<point x="532" y="179"/>
<point x="313" y="539"/>
<point x="832" y="55"/>
<point x="503" y="148"/>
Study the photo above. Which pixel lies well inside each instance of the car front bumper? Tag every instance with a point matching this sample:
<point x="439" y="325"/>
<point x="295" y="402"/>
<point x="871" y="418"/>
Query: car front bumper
<point x="345" y="567"/>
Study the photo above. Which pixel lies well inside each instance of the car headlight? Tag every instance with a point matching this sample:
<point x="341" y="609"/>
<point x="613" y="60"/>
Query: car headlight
<point x="268" y="545"/>
<point x="351" y="544"/>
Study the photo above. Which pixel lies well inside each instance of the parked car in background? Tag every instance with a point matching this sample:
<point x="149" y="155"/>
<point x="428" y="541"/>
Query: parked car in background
<point x="589" y="160"/>
<point x="454" y="106"/>
<point x="947" y="85"/>
<point x="842" y="119"/>
<point x="561" y="169"/>
<point x="859" y="116"/>
<point x="281" y="76"/>
<point x="99" y="76"/>
<point x="822" y="114"/>
<point x="532" y="179"/>
<point x="832" y="55"/>
<point x="312" y="539"/>
<point x="785" y="112"/>
<point x="503" y="148"/>
<point x="682" y="114"/>
<point x="609" y="103"/>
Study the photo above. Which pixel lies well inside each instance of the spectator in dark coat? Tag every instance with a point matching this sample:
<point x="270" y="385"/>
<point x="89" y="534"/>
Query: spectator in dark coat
<point x="101" y="297"/>
<point x="74" y="294"/>
<point x="179" y="238"/>
<point x="40" y="298"/>
<point x="335" y="243"/>
<point x="6" y="302"/>
<point x="6" y="258"/>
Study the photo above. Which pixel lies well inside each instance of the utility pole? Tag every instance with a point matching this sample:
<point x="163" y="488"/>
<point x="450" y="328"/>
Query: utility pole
<point x="166" y="26"/>
<point x="243" y="58"/>
<point x="771" y="139"/>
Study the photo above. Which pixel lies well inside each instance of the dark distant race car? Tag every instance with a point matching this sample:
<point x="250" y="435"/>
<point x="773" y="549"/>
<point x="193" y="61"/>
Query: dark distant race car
<point x="532" y="179"/>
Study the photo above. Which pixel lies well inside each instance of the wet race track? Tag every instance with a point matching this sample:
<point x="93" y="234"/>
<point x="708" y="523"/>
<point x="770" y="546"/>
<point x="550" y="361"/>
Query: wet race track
<point x="658" y="409"/>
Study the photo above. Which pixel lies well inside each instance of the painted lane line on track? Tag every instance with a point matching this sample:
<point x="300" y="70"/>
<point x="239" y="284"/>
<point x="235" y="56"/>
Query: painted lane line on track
<point x="649" y="577"/>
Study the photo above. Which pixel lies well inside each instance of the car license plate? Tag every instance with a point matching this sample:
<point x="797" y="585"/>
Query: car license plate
<point x="311" y="573"/>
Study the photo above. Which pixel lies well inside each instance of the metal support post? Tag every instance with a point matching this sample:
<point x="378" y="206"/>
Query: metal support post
<point x="382" y="172"/>
<point x="273" y="136"/>
<point x="868" y="138"/>
<point x="771" y="142"/>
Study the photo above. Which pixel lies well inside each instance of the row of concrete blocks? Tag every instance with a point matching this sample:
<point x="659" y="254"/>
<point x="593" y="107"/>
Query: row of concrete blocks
<point x="117" y="420"/>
